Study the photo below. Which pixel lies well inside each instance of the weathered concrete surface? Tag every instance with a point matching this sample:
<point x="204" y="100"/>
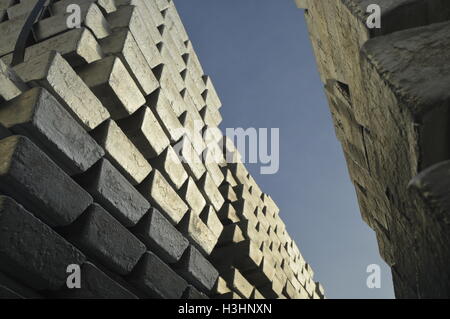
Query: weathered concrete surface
<point x="103" y="238"/>
<point x="227" y="214"/>
<point x="90" y="16"/>
<point x="52" y="72"/>
<point x="30" y="177"/>
<point x="210" y="191"/>
<point x="122" y="104"/>
<point x="144" y="130"/>
<point x="192" y="87"/>
<point x="157" y="279"/>
<point x="193" y="124"/>
<point x="23" y="254"/>
<point x="231" y="234"/>
<point x="198" y="233"/>
<point x="238" y="282"/>
<point x="388" y="94"/>
<point x="210" y="218"/>
<point x="193" y="196"/>
<point x="171" y="58"/>
<point x="192" y="293"/>
<point x="161" y="236"/>
<point x="151" y="17"/>
<point x="210" y="94"/>
<point x="122" y="44"/>
<point x="228" y="193"/>
<point x="193" y="64"/>
<point x="10" y="84"/>
<point x="162" y="4"/>
<point x="110" y="81"/>
<point x="193" y="266"/>
<point x="77" y="46"/>
<point x="212" y="166"/>
<point x="130" y="17"/>
<point x="122" y="153"/>
<point x="114" y="192"/>
<point x="106" y="6"/>
<point x="161" y="195"/>
<point x="39" y="116"/>
<point x="164" y="76"/>
<point x="96" y="285"/>
<point x="265" y="274"/>
<point x="221" y="287"/>
<point x="170" y="165"/>
<point x="257" y="295"/>
<point x="211" y="116"/>
<point x="429" y="191"/>
<point x="167" y="118"/>
<point x="11" y="30"/>
<point x="413" y="91"/>
<point x="17" y="288"/>
<point x="245" y="255"/>
<point x="190" y="159"/>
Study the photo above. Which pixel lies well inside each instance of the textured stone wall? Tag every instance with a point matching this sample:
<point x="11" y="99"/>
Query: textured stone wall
<point x="111" y="159"/>
<point x="389" y="95"/>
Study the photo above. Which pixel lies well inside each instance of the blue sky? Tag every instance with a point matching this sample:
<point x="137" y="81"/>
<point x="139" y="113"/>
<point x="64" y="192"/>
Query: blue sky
<point x="261" y="62"/>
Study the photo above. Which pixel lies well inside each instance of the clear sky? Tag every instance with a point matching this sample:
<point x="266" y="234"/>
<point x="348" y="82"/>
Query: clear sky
<point x="261" y="62"/>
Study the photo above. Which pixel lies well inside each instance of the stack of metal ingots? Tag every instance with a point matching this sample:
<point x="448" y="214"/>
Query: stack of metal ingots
<point x="112" y="166"/>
